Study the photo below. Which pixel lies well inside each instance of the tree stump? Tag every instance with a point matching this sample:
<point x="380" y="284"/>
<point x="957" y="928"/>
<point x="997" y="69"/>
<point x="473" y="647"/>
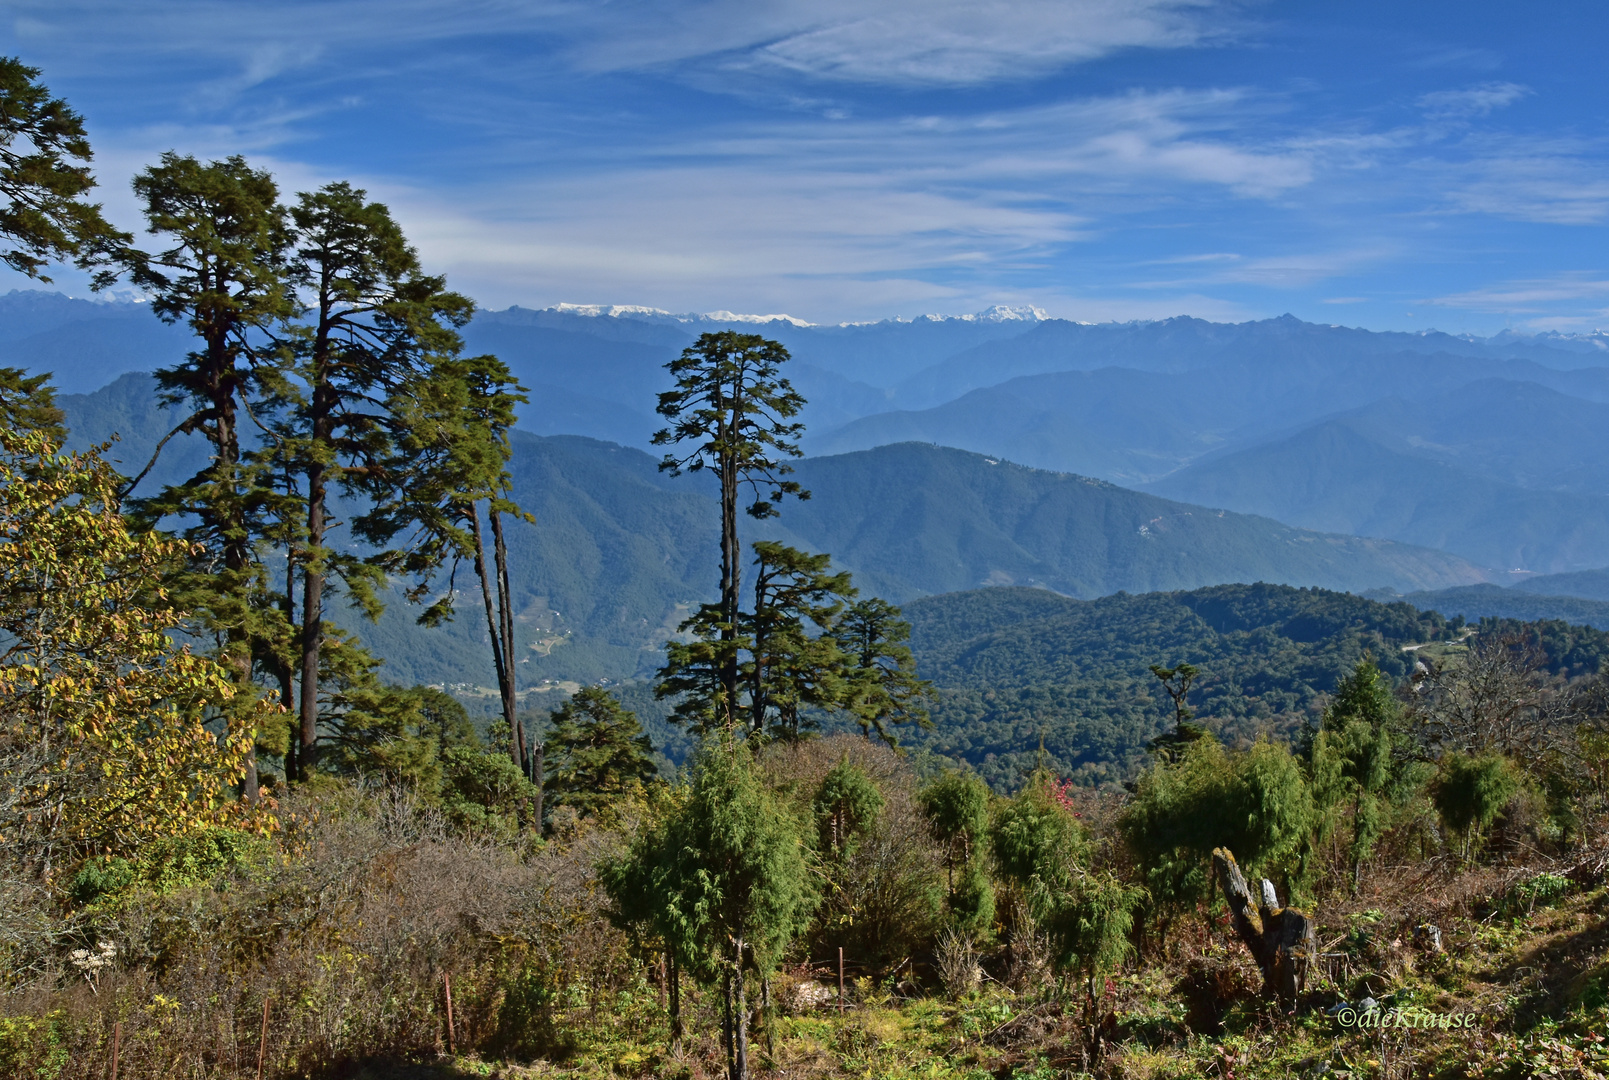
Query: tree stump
<point x="1283" y="941"/>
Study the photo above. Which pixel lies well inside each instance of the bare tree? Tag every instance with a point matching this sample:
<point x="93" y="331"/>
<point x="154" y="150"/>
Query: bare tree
<point x="1498" y="698"/>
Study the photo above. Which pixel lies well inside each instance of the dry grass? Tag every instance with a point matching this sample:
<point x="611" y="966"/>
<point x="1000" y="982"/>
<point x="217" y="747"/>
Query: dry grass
<point x="348" y="930"/>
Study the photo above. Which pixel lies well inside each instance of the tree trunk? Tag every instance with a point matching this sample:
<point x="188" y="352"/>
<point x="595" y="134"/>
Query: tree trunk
<point x="731" y="580"/>
<point x="230" y="524"/>
<point x="740" y="1015"/>
<point x="675" y="1003"/>
<point x="531" y="751"/>
<point x="251" y="786"/>
<point x="1283" y="941"/>
<point x="286" y="676"/>
<point x="312" y="635"/>
<point x="766" y="1017"/>
<point x="499" y="662"/>
<point x="727" y="1042"/>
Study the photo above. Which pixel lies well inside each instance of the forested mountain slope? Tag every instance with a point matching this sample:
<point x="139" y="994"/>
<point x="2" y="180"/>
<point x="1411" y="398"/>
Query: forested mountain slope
<point x="1334" y="477"/>
<point x="620" y="552"/>
<point x="1013" y="665"/>
<point x="1459" y="443"/>
<point x="913" y="519"/>
<point x="1587" y="584"/>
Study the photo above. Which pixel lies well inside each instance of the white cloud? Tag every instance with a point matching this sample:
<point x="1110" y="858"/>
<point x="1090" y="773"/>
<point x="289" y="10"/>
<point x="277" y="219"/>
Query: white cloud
<point x="1530" y="296"/>
<point x="1472" y="101"/>
<point x="1551" y="182"/>
<point x="829" y="219"/>
<point x="900" y="42"/>
<point x="824" y="247"/>
<point x="1294" y="270"/>
<point x="961" y="42"/>
<point x="1128" y="145"/>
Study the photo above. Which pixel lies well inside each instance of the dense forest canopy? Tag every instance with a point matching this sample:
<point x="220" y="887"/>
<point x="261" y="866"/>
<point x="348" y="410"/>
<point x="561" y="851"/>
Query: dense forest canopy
<point x="1013" y="665"/>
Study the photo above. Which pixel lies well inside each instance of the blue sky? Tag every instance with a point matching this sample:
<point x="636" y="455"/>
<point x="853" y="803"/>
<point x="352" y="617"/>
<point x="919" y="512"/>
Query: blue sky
<point x="1391" y="165"/>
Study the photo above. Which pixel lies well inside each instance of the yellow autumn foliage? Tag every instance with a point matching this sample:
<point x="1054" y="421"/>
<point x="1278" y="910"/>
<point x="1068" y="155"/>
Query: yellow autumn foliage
<point x="111" y="734"/>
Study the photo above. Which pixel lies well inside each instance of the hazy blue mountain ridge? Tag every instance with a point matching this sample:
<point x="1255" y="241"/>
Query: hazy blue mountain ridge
<point x="1333" y="478"/>
<point x="1171" y="402"/>
<point x="1151" y="423"/>
<point x="1586" y="584"/>
<point x="1475" y="602"/>
<point x="621" y="552"/>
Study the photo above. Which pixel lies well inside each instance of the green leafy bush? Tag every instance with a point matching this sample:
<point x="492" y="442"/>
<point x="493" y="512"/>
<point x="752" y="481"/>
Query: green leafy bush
<point x="1471" y="791"/>
<point x="956" y="806"/>
<point x="1255" y="803"/>
<point x="165" y="865"/>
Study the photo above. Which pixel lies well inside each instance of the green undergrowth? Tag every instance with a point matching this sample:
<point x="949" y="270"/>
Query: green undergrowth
<point x="1531" y="980"/>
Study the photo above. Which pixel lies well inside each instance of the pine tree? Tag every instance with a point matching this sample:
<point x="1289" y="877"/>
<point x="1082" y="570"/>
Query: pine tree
<point x="1176" y="681"/>
<point x="956" y="806"/>
<point x="44" y="174"/>
<point x="1257" y="802"/>
<point x="728" y="414"/>
<point x="372" y="323"/>
<point x="225" y="275"/>
<point x="790" y="668"/>
<point x="28" y="403"/>
<point x="453" y="449"/>
<point x="884" y="688"/>
<point x="846" y="805"/>
<point x="723" y="880"/>
<point x="1471" y="790"/>
<point x="596" y="754"/>
<point x="1351" y="759"/>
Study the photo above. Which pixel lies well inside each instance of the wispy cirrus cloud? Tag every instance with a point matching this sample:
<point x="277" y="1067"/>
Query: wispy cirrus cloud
<point x="1290" y="270"/>
<point x="1521" y="297"/>
<point x="1551" y="181"/>
<point x="1564" y="302"/>
<point x="672" y="236"/>
<point x="1471" y="101"/>
<point x="896" y="42"/>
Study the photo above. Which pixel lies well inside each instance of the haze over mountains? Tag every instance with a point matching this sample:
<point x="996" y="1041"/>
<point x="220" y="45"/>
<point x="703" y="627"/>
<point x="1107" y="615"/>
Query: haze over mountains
<point x="1491" y="449"/>
<point x="620" y="551"/>
<point x="1460" y="460"/>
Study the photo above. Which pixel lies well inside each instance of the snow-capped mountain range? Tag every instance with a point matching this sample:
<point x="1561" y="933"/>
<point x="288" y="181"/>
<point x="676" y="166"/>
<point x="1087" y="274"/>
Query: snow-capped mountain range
<point x="997" y="314"/>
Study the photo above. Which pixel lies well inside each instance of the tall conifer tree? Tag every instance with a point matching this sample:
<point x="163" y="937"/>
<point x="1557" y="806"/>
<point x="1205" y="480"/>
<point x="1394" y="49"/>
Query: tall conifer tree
<point x="453" y="449"/>
<point x="44" y="175"/>
<point x="788" y="666"/>
<point x="884" y="688"/>
<point x="372" y="323"/>
<point x="224" y="274"/>
<point x="729" y="414"/>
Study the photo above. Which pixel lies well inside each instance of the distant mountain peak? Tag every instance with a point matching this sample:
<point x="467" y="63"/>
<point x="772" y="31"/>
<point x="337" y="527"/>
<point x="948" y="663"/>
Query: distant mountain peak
<point x="999" y="313"/>
<point x="659" y="315"/>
